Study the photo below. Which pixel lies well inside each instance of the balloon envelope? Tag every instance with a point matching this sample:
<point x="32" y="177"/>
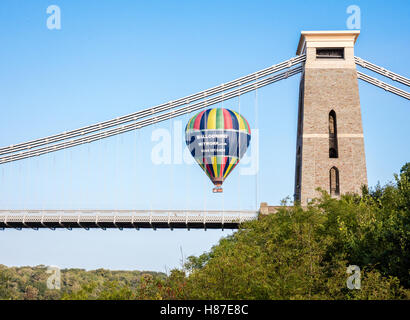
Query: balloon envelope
<point x="217" y="139"/>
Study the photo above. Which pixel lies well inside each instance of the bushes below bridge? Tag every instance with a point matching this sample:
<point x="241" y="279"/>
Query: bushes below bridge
<point x="293" y="254"/>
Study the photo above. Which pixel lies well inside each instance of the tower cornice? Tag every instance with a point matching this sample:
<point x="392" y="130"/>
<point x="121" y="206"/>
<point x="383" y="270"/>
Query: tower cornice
<point x="342" y="38"/>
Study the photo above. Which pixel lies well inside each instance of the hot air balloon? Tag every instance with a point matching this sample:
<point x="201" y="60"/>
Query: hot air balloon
<point x="217" y="138"/>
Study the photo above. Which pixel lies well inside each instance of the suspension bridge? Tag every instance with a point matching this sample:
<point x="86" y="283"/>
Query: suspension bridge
<point x="59" y="218"/>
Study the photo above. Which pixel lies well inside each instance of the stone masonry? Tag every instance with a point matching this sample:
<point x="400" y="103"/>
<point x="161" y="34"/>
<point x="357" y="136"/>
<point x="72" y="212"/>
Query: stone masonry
<point x="329" y="84"/>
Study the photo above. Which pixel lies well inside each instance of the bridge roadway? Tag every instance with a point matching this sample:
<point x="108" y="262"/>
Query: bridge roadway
<point x="161" y="219"/>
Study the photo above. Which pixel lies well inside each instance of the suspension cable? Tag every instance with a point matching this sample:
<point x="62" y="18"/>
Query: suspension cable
<point x="383" y="85"/>
<point x="154" y="110"/>
<point x="154" y="119"/>
<point x="382" y="71"/>
<point x="239" y="164"/>
<point x="257" y="153"/>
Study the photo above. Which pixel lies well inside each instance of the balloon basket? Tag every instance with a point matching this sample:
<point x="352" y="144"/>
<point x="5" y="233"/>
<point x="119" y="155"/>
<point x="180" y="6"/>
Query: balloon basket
<point x="217" y="190"/>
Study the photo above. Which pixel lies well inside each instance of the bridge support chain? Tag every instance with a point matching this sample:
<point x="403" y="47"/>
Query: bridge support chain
<point x="151" y="111"/>
<point x="383" y="85"/>
<point x="151" y="120"/>
<point x="384" y="72"/>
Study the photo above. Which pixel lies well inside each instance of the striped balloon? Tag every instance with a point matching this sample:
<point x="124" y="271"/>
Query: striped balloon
<point x="217" y="139"/>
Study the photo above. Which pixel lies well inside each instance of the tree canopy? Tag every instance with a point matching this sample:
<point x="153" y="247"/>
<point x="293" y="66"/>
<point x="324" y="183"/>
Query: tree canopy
<point x="296" y="253"/>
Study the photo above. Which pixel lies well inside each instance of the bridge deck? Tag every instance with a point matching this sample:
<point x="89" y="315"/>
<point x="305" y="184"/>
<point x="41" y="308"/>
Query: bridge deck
<point x="169" y="219"/>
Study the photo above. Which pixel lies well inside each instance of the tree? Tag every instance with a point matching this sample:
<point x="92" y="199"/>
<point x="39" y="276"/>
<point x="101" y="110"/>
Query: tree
<point x="5" y="278"/>
<point x="303" y="253"/>
<point x="297" y="253"/>
<point x="31" y="293"/>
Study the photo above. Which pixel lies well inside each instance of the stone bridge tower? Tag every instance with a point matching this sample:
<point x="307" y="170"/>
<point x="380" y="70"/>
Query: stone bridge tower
<point x="330" y="145"/>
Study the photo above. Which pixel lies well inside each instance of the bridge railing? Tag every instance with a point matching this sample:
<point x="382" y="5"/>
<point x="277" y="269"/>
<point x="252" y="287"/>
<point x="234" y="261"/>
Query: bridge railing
<point x="189" y="219"/>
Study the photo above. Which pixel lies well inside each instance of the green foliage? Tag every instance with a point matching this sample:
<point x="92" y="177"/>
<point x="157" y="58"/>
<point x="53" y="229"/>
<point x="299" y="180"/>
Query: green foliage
<point x="297" y="253"/>
<point x="78" y="284"/>
<point x="5" y="277"/>
<point x="303" y="253"/>
<point x="148" y="288"/>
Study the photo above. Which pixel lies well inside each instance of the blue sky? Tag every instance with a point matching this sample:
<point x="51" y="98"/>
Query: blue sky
<point x="112" y="58"/>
